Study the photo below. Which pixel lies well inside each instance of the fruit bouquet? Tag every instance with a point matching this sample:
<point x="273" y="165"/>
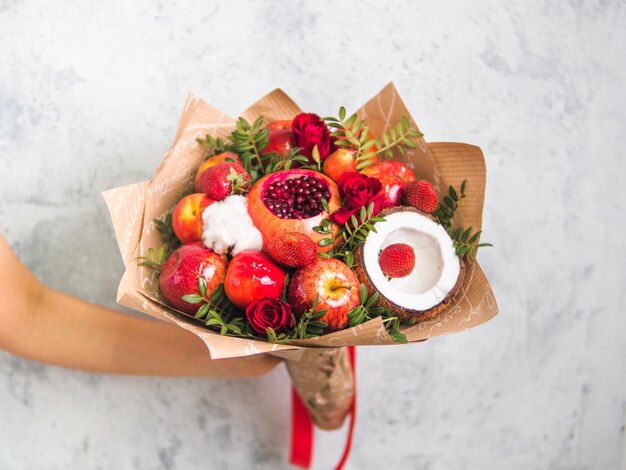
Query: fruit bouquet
<point x="285" y="232"/>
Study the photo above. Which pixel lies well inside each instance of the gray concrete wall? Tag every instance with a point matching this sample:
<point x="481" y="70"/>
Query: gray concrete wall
<point x="90" y="94"/>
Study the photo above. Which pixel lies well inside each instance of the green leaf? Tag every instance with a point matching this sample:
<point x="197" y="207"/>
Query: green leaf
<point x="363" y="293"/>
<point x="321" y="230"/>
<point x="453" y="193"/>
<point x="325" y="242"/>
<point x="315" y="154"/>
<point x="202" y="287"/>
<point x="474" y="237"/>
<point x="399" y="337"/>
<point x="325" y="205"/>
<point x="192" y="298"/>
<point x="202" y="311"/>
<point x="372" y="300"/>
<point x="363" y="213"/>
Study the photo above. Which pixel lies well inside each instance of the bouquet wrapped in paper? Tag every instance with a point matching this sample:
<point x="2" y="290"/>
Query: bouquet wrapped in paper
<point x="282" y="232"/>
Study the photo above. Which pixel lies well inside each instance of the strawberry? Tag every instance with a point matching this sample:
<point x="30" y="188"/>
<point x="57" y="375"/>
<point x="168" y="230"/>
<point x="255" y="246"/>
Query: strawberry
<point x="422" y="195"/>
<point x="223" y="179"/>
<point x="397" y="260"/>
<point x="292" y="249"/>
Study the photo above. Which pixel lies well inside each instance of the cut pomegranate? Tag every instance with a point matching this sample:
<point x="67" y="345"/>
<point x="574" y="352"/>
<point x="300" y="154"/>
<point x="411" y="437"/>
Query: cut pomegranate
<point x="291" y="201"/>
<point x="298" y="197"/>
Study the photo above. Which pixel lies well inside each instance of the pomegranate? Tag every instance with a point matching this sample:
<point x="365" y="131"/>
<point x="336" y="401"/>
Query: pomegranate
<point x="290" y="201"/>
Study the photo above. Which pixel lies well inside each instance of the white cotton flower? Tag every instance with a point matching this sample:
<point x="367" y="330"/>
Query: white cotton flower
<point x="228" y="225"/>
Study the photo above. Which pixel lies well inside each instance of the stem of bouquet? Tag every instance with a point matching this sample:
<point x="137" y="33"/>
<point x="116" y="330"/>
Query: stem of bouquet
<point x="324" y="393"/>
<point x="324" y="381"/>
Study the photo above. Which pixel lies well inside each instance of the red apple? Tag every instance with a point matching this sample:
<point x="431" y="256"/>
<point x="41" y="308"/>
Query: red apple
<point x="290" y="201"/>
<point x="253" y="276"/>
<point x="335" y="286"/>
<point x="212" y="161"/>
<point x="182" y="269"/>
<point x="187" y="217"/>
<point x="279" y="125"/>
<point x="394" y="176"/>
<point x="281" y="138"/>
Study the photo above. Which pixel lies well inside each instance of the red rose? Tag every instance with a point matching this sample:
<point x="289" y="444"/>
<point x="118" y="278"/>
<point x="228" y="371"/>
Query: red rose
<point x="309" y="131"/>
<point x="269" y="313"/>
<point x="357" y="190"/>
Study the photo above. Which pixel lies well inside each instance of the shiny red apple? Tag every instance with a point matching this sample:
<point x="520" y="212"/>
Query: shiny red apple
<point x="182" y="269"/>
<point x="394" y="176"/>
<point x="281" y="138"/>
<point x="335" y="286"/>
<point x="253" y="276"/>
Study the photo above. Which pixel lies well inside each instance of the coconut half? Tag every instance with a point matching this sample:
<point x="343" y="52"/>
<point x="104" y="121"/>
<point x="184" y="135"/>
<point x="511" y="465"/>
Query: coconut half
<point x="437" y="274"/>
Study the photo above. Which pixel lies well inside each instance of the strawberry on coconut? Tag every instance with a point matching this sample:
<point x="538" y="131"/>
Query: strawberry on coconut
<point x="397" y="260"/>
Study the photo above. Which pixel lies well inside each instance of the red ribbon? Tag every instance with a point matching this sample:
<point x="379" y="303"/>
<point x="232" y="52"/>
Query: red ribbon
<point x="302" y="426"/>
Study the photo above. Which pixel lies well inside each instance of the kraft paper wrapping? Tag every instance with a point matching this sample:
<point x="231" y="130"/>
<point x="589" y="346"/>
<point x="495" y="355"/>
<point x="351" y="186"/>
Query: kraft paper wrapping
<point x="133" y="209"/>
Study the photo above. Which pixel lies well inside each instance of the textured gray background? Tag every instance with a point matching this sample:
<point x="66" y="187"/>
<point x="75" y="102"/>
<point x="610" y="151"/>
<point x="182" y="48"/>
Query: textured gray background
<point x="90" y="94"/>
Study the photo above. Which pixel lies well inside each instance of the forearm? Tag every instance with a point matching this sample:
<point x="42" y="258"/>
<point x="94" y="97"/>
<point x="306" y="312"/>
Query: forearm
<point x="72" y="333"/>
<point x="48" y="326"/>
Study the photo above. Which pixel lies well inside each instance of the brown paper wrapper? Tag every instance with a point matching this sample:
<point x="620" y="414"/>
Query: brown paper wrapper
<point x="133" y="209"/>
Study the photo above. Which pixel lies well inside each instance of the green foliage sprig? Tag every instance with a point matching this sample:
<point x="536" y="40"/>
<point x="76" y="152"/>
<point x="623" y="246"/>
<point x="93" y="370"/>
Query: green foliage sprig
<point x="400" y="136"/>
<point x="368" y="309"/>
<point x="217" y="310"/>
<point x="352" y="133"/>
<point x="274" y="162"/>
<point x="465" y="242"/>
<point x="448" y="206"/>
<point x="308" y="325"/>
<point x="156" y="258"/>
<point x="248" y="141"/>
<point x="214" y="145"/>
<point x="353" y="233"/>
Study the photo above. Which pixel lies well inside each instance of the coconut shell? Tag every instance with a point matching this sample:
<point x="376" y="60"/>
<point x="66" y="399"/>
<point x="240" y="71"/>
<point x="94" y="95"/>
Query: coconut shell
<point x="404" y="314"/>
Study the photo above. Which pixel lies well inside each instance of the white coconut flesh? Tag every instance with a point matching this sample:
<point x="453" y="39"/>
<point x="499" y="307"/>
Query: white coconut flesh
<point x="437" y="266"/>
